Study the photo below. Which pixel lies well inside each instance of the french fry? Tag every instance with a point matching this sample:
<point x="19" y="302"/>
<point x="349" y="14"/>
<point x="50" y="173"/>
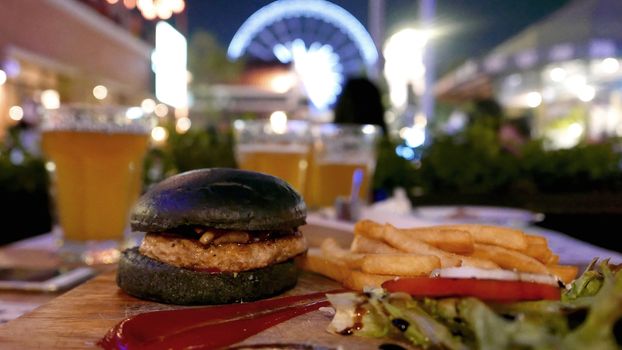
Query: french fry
<point x="400" y="264"/>
<point x="542" y="253"/>
<point x="479" y="263"/>
<point x="538" y="249"/>
<point x="362" y="244"/>
<point x="331" y="249"/>
<point x="553" y="260"/>
<point x="404" y="242"/>
<point x="316" y="262"/>
<point x="493" y="235"/>
<point x="536" y="240"/>
<point x="447" y="239"/>
<point x="508" y="259"/>
<point x="380" y="252"/>
<point x="369" y="229"/>
<point x="359" y="280"/>
<point x="566" y="273"/>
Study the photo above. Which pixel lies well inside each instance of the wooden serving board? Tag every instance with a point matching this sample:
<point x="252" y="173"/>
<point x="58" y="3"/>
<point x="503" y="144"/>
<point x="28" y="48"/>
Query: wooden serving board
<point x="79" y="318"/>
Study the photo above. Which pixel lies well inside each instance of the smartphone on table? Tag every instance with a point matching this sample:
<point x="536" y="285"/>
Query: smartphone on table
<point x="43" y="279"/>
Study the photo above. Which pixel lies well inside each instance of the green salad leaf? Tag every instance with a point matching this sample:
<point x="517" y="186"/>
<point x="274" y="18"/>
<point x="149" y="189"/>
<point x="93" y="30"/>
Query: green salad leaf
<point x="605" y="313"/>
<point x="588" y="316"/>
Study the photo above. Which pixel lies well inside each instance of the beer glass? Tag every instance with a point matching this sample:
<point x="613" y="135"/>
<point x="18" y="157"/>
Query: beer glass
<point x="279" y="149"/>
<point x="96" y="159"/>
<point x="339" y="152"/>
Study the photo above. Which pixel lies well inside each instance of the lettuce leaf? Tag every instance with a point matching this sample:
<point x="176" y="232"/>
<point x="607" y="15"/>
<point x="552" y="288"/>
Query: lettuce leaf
<point x="422" y="328"/>
<point x="587" y="285"/>
<point x="597" y="332"/>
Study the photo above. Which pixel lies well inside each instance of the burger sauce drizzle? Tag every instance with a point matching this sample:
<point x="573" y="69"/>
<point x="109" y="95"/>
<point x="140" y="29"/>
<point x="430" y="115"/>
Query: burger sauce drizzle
<point x="208" y="327"/>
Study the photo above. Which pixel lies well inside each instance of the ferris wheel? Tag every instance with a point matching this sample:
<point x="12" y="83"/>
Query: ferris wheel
<point x="324" y="43"/>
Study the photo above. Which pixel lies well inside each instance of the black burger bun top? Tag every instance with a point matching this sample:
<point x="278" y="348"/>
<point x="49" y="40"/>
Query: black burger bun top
<point x="219" y="198"/>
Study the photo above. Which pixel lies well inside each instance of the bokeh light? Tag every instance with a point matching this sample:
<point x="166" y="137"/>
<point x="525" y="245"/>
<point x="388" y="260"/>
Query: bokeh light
<point x="159" y="134"/>
<point x="557" y="74"/>
<point x="161" y="110"/>
<point x="278" y="122"/>
<point x="610" y="65"/>
<point x="183" y="125"/>
<point x="403" y="55"/>
<point x="586" y="93"/>
<point x="148" y="105"/>
<point x="16" y="113"/>
<point x="533" y="99"/>
<point x="50" y="99"/>
<point x="100" y="92"/>
<point x="134" y="113"/>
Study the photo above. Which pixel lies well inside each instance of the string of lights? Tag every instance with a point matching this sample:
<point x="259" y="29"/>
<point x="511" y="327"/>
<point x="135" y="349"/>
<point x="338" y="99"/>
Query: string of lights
<point x="152" y="9"/>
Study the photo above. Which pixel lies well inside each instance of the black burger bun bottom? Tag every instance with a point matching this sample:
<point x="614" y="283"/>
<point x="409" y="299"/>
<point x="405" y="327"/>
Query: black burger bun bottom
<point x="147" y="278"/>
<point x="219" y="198"/>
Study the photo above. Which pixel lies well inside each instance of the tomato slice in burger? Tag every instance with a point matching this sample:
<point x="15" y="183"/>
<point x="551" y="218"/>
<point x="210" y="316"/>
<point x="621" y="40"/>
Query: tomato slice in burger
<point x="485" y="289"/>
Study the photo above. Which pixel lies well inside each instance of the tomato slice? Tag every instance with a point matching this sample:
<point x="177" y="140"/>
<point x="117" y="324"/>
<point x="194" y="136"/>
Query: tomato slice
<point x="485" y="289"/>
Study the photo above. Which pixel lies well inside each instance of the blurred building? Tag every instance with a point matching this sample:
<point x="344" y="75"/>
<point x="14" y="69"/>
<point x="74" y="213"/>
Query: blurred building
<point x="261" y="89"/>
<point x="564" y="71"/>
<point x="68" y="51"/>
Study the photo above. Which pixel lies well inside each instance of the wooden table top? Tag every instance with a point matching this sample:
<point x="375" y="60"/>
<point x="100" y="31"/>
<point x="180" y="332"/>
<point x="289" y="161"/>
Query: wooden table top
<point x="79" y="318"/>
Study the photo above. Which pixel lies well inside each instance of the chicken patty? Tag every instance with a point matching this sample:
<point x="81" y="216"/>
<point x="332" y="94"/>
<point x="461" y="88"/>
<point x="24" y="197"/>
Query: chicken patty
<point x="231" y="257"/>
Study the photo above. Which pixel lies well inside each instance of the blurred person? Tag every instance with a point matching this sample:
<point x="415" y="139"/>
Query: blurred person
<point x="360" y="102"/>
<point x="485" y="112"/>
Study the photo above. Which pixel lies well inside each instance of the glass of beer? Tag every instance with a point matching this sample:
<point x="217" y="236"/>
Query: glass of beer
<point x="278" y="149"/>
<point x="341" y="153"/>
<point x="97" y="156"/>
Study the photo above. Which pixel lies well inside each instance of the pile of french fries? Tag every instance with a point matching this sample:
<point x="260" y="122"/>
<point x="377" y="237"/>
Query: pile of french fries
<point x="380" y="252"/>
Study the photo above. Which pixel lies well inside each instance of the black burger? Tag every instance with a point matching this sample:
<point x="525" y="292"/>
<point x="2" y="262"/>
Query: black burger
<point x="214" y="236"/>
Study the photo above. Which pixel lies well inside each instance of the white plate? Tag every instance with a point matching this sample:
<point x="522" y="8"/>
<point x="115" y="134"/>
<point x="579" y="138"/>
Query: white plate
<point x="478" y="214"/>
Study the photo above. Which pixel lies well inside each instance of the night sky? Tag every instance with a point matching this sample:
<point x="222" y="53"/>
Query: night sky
<point x="470" y="28"/>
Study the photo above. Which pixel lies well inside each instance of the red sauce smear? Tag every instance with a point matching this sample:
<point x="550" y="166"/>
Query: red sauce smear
<point x="207" y="327"/>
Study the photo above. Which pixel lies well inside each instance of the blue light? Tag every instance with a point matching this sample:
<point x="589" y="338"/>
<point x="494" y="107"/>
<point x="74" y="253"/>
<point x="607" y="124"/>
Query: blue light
<point x="282" y="53"/>
<point x="16" y="156"/>
<point x="405" y="152"/>
<point x="408" y="153"/>
<point x="317" y="68"/>
<point x="317" y="64"/>
<point x="398" y="150"/>
<point x="319" y="9"/>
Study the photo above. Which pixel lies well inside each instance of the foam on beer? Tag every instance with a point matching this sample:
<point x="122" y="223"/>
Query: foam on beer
<point x="272" y="148"/>
<point x="108" y="120"/>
